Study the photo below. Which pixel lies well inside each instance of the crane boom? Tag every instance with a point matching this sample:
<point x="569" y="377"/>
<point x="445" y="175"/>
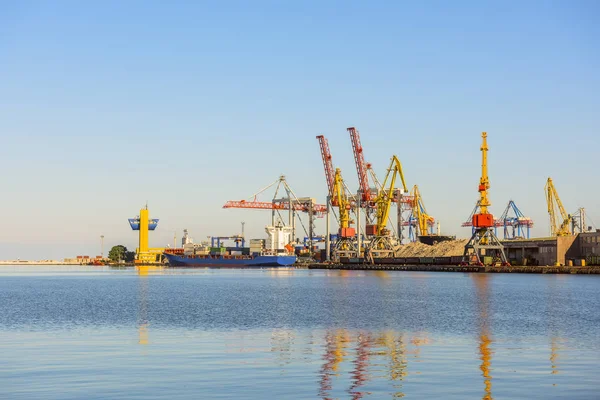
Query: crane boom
<point x="328" y="164"/>
<point x="551" y="199"/>
<point x="361" y="165"/>
<point x="275" y="205"/>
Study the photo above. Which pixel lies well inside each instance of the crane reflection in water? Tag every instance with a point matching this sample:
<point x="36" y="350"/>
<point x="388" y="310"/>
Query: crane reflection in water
<point x="485" y="337"/>
<point x="363" y="351"/>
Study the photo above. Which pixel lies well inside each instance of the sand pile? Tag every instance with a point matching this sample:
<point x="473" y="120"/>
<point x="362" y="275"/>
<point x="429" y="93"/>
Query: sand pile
<point x="442" y="249"/>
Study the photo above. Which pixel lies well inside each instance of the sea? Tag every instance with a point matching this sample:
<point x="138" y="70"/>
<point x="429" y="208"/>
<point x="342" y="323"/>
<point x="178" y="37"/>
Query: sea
<point x="79" y="332"/>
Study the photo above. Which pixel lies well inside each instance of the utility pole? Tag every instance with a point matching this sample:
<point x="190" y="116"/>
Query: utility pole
<point x="102" y="246"/>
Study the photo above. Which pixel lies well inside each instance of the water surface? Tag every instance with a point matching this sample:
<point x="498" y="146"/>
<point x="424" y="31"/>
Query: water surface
<point x="92" y="332"/>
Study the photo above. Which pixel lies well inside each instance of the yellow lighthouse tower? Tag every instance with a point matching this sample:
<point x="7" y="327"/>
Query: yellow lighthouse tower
<point x="143" y="224"/>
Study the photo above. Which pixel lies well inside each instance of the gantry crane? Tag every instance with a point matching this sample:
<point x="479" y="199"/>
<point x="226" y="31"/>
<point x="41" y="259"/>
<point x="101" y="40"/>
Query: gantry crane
<point x="423" y="222"/>
<point x="553" y="201"/>
<point x="514" y="227"/>
<point x="345" y="245"/>
<point x="484" y="242"/>
<point x="290" y="202"/>
<point x="382" y="243"/>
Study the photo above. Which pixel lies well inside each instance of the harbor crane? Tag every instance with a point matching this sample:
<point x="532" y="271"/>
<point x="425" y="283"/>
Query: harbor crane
<point x="369" y="193"/>
<point x="362" y="168"/>
<point x="423" y="223"/>
<point x="345" y="245"/>
<point x="290" y="203"/>
<point x="514" y="227"/>
<point x="484" y="247"/>
<point x="382" y="243"/>
<point x="553" y="201"/>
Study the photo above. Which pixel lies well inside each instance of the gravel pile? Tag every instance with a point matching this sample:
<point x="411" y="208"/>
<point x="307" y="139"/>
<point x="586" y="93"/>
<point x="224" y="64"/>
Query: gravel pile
<point x="442" y="249"/>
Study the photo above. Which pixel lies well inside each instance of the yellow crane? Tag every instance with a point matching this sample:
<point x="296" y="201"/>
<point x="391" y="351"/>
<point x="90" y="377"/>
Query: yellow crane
<point x="424" y="221"/>
<point x="381" y="245"/>
<point x="342" y="202"/>
<point x="553" y="201"/>
<point x="484" y="248"/>
<point x="346" y="245"/>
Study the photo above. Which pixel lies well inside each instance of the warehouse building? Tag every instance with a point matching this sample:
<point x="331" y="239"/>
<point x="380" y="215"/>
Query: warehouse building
<point x="582" y="249"/>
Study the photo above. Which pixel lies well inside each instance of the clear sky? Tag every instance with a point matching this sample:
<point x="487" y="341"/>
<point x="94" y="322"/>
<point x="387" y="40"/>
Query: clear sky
<point x="106" y="105"/>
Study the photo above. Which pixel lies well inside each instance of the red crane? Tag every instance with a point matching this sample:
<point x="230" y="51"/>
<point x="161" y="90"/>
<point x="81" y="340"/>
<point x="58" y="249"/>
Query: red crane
<point x="361" y="166"/>
<point x="328" y="164"/>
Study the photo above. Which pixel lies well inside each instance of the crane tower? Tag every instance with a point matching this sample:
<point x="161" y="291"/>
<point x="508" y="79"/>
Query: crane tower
<point x="484" y="246"/>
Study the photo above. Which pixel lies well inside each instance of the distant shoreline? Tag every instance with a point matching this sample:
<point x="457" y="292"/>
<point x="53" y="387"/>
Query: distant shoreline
<point x="51" y="262"/>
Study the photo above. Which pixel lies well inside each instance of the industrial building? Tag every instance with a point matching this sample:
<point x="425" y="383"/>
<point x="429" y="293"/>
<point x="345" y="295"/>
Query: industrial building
<point x="578" y="250"/>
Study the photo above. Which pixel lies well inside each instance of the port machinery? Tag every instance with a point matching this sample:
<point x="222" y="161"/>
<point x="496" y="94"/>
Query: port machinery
<point x="484" y="246"/>
<point x="368" y="193"/>
<point x="382" y="243"/>
<point x="553" y="202"/>
<point x="289" y="202"/>
<point x="419" y="223"/>
<point x="346" y="244"/>
<point x="514" y="224"/>
<point x="571" y="223"/>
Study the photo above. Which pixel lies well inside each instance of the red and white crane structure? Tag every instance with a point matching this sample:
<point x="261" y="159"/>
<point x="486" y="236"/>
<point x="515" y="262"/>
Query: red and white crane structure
<point x="290" y="203"/>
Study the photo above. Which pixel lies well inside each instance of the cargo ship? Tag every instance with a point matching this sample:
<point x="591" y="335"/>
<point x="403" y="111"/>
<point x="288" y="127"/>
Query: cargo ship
<point x="235" y="261"/>
<point x="274" y="252"/>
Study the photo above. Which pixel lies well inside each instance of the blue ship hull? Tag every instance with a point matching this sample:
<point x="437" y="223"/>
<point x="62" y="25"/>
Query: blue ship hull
<point x="230" y="261"/>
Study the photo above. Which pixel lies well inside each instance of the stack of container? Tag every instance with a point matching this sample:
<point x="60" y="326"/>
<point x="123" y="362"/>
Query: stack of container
<point x="217" y="251"/>
<point x="257" y="245"/>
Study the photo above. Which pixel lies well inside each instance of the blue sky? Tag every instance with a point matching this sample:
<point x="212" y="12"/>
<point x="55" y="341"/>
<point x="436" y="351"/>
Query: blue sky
<point x="107" y="105"/>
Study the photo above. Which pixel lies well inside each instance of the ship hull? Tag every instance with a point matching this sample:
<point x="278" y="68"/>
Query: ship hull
<point x="230" y="261"/>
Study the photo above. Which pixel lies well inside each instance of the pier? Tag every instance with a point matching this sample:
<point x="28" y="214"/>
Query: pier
<point x="530" y="269"/>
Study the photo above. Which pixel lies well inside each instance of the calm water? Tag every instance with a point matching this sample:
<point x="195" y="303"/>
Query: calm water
<point x="78" y="332"/>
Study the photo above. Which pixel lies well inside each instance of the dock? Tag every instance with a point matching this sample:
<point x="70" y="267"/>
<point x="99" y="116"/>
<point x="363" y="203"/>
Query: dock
<point x="590" y="270"/>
